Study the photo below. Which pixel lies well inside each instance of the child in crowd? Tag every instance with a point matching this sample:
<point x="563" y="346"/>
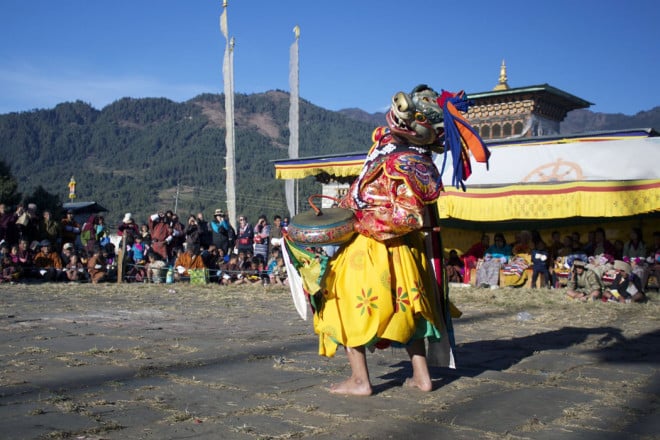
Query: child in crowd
<point x="231" y="271"/>
<point x="138" y="250"/>
<point x="279" y="275"/>
<point x="74" y="270"/>
<point x="540" y="261"/>
<point x="251" y="271"/>
<point x="97" y="266"/>
<point x="155" y="268"/>
<point x="9" y="271"/>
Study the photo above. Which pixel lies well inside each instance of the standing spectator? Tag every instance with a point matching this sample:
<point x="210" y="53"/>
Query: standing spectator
<point x="6" y="218"/>
<point x="178" y="234"/>
<point x="101" y="231"/>
<point x="245" y="241"/>
<point x="146" y="235"/>
<point x="223" y="234"/>
<point x="275" y="237"/>
<point x="127" y="229"/>
<point x="192" y="233"/>
<point x="540" y="261"/>
<point x="138" y="250"/>
<point x="88" y="233"/>
<point x="160" y="233"/>
<point x="205" y="234"/>
<point x="49" y="228"/>
<point x="69" y="228"/>
<point x="97" y="266"/>
<point x="260" y="237"/>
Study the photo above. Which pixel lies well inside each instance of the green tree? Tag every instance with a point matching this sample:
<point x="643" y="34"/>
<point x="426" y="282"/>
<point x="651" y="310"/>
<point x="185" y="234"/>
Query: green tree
<point x="9" y="194"/>
<point x="45" y="201"/>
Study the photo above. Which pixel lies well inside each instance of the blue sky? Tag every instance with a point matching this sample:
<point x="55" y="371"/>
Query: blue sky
<point x="353" y="53"/>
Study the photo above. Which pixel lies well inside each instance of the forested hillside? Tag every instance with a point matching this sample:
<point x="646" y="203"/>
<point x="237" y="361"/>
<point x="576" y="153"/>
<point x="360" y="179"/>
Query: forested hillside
<point x="141" y="155"/>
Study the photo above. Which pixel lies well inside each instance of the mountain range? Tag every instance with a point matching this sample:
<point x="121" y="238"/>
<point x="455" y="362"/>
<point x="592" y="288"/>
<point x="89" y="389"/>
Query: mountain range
<point x="143" y="155"/>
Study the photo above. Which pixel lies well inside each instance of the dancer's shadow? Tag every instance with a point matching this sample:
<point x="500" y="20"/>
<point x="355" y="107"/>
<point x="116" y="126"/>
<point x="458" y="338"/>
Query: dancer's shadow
<point x="474" y="358"/>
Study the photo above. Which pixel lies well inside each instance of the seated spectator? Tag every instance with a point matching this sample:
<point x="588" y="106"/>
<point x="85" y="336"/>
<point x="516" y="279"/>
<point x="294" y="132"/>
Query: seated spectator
<point x="602" y="244"/>
<point x="213" y="259"/>
<point x="618" y="249"/>
<point x="186" y="260"/>
<point x="584" y="283"/>
<point x="478" y="250"/>
<point x="74" y="270"/>
<point x="555" y="244"/>
<point x="231" y="271"/>
<point x="13" y="254"/>
<point x="9" y="270"/>
<point x="454" y="267"/>
<point x="278" y="274"/>
<point x="523" y="245"/>
<point x="97" y="266"/>
<point x="155" y="268"/>
<point x="567" y="247"/>
<point x="626" y="287"/>
<point x="25" y="257"/>
<point x="635" y="247"/>
<point x="578" y="246"/>
<point x="48" y="263"/>
<point x="488" y="272"/>
<point x="653" y="262"/>
<point x="67" y="251"/>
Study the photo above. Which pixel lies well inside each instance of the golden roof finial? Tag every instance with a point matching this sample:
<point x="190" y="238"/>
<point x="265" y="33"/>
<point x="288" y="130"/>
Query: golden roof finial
<point x="502" y="84"/>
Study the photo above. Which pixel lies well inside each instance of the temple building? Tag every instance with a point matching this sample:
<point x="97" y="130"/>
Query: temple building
<point x="521" y="112"/>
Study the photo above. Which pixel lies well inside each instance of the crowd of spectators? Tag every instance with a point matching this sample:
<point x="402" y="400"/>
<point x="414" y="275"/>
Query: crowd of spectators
<point x="163" y="249"/>
<point x="621" y="269"/>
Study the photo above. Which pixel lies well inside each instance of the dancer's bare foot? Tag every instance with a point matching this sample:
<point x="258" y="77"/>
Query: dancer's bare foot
<point x="352" y="387"/>
<point x="422" y="384"/>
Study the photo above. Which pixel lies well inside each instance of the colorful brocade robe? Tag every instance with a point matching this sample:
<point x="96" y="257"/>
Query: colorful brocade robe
<point x="380" y="287"/>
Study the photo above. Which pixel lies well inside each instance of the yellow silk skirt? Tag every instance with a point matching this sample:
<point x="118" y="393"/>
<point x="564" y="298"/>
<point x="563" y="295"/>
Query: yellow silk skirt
<point x="375" y="291"/>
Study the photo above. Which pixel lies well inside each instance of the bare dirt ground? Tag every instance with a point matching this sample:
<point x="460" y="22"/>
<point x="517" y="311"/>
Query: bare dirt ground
<point x="137" y="361"/>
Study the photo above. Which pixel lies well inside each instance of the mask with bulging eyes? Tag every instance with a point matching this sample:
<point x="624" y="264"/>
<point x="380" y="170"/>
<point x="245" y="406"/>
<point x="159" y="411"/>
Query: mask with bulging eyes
<point x="417" y="118"/>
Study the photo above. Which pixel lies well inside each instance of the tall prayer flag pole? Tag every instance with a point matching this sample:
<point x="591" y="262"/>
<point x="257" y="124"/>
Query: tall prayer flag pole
<point x="294" y="85"/>
<point x="230" y="137"/>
